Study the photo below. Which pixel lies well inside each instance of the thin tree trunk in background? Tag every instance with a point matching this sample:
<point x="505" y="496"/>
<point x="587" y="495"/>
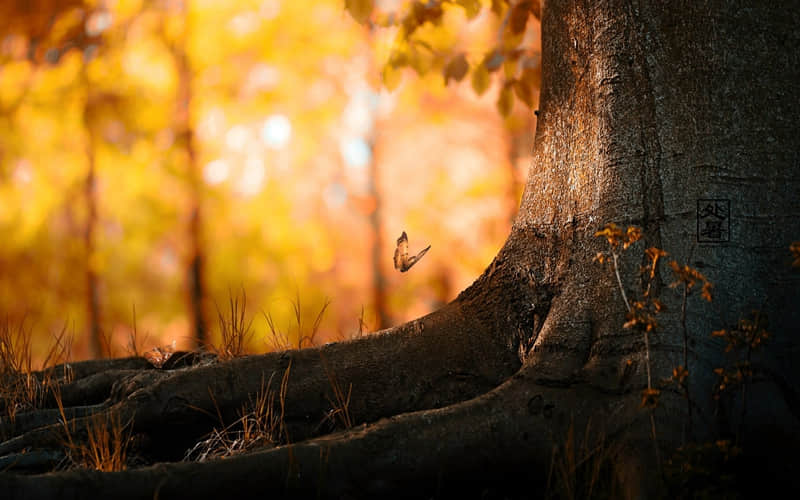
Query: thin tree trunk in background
<point x="196" y="261"/>
<point x="377" y="250"/>
<point x="90" y="196"/>
<point x="376" y="225"/>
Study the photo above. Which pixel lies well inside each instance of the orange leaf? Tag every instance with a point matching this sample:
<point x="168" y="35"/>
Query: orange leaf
<point x="390" y="76"/>
<point x="795" y="249"/>
<point x="519" y="16"/>
<point x="480" y="79"/>
<point x="471" y="7"/>
<point x="523" y="93"/>
<point x="706" y="292"/>
<point x="359" y="9"/>
<point x="456" y="69"/>
<point x="650" y="397"/>
<point x="493" y="60"/>
<point x="505" y="102"/>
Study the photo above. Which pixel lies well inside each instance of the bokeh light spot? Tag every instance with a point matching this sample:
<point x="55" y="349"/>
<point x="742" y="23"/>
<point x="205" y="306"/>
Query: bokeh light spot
<point x="355" y="151"/>
<point x="277" y="131"/>
<point x="216" y="172"/>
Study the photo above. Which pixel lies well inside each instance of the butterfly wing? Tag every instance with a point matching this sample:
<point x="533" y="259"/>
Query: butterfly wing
<point x="413" y="260"/>
<point x="401" y="253"/>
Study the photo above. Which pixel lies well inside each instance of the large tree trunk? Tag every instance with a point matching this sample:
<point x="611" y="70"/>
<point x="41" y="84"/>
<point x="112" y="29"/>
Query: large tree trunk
<point x="646" y="107"/>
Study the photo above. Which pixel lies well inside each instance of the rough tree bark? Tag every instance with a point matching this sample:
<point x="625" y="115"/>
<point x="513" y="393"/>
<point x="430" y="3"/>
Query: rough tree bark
<point x="646" y="107"/>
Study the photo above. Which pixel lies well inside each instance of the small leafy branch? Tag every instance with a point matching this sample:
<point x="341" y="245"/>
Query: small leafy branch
<point x="688" y="279"/>
<point x="704" y="470"/>
<point x="743" y="340"/>
<point x="641" y="312"/>
<point x="419" y="45"/>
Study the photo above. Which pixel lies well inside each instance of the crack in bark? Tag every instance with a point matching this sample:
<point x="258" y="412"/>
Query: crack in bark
<point x="651" y="184"/>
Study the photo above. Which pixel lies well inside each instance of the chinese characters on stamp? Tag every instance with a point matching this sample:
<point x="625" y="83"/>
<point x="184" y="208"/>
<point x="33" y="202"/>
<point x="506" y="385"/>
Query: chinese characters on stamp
<point x="713" y="221"/>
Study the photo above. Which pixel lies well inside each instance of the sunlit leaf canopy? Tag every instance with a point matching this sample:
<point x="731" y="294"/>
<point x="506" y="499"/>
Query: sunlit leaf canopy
<point x="304" y="159"/>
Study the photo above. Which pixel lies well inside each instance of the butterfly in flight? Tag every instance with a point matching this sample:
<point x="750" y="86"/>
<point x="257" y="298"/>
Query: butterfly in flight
<point x="402" y="261"/>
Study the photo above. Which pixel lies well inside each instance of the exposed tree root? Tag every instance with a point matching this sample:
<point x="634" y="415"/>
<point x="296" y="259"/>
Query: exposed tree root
<point x="507" y="433"/>
<point x="176" y="408"/>
<point x="28" y="421"/>
<point x="81" y="369"/>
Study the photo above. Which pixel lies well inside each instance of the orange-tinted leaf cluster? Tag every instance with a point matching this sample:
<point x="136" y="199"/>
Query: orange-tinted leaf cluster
<point x="689" y="277"/>
<point x="795" y="249"/>
<point x="726" y="447"/>
<point x="680" y="374"/>
<point x="471" y="7"/>
<point x="616" y="236"/>
<point x="650" y="398"/>
<point x="39" y="29"/>
<point x="359" y="9"/>
<point x="519" y="15"/>
<point x="642" y="315"/>
<point x="731" y="377"/>
<point x="654" y="254"/>
<point x="706" y="462"/>
<point x="749" y="333"/>
<point x="456" y="69"/>
<point x="420" y="13"/>
<point x="506" y="100"/>
<point x="415" y="47"/>
<point x="32" y="18"/>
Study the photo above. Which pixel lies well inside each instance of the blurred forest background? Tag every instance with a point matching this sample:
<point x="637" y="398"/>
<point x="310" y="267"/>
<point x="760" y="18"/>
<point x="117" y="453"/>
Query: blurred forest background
<point x="160" y="158"/>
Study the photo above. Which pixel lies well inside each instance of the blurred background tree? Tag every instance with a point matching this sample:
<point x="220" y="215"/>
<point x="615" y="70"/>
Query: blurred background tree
<point x="159" y="156"/>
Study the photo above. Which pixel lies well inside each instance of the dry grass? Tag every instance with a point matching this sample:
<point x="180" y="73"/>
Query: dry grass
<point x="134" y="347"/>
<point x="303" y="339"/>
<point x="340" y="411"/>
<point x="106" y="445"/>
<point x="259" y="425"/>
<point x="235" y="329"/>
<point x="582" y="469"/>
<point x="107" y="439"/>
<point x="281" y="340"/>
<point x="362" y="325"/>
<point x="20" y="389"/>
